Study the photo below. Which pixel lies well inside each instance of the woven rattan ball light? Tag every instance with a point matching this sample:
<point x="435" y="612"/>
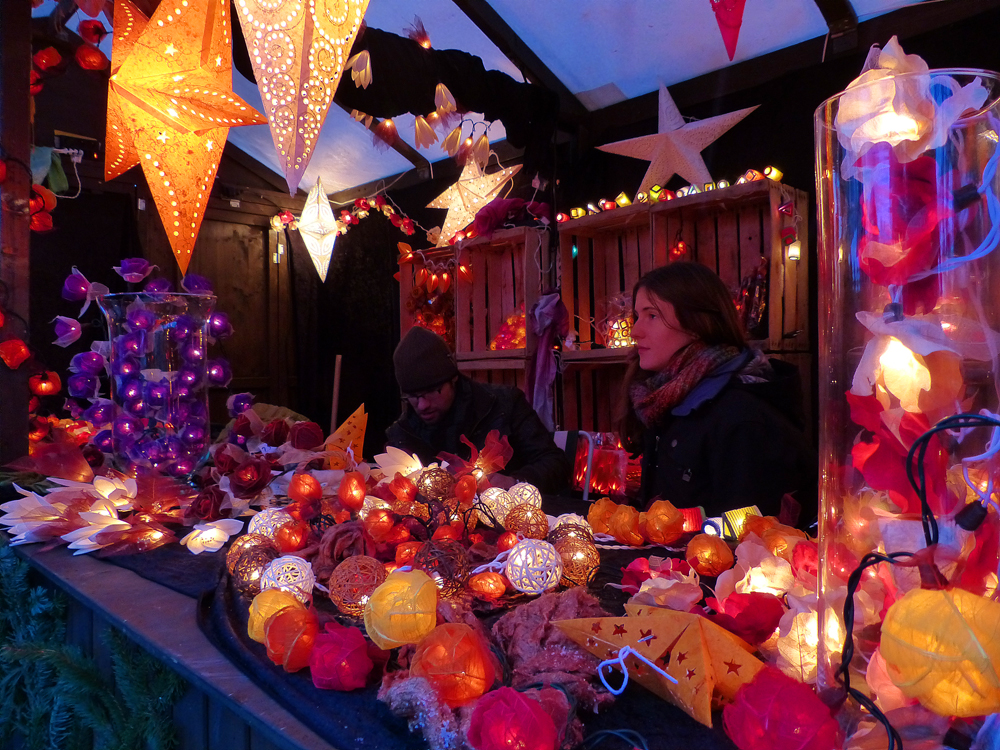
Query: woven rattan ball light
<point x="352" y="583"/>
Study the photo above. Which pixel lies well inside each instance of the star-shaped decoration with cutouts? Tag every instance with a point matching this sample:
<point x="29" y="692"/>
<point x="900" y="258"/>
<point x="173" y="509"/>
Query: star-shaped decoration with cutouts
<point x="677" y="145"/>
<point x="318" y="228"/>
<point x="463" y="200"/>
<point x="166" y="101"/>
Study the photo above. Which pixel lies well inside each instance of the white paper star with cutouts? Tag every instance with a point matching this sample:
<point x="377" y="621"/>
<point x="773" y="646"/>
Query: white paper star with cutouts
<point x="318" y="228"/>
<point x="463" y="200"/>
<point x="677" y="145"/>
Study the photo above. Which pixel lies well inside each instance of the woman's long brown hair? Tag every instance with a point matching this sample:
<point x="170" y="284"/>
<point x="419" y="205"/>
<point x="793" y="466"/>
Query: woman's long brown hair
<point x="704" y="307"/>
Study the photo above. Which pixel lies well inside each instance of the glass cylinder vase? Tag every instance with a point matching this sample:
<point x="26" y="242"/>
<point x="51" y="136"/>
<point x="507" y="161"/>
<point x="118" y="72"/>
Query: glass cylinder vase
<point x="909" y="334"/>
<point x="159" y="380"/>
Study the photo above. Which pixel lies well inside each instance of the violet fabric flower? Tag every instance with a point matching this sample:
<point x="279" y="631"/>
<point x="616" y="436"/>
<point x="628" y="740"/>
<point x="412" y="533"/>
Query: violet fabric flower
<point x="219" y="372"/>
<point x="89" y="363"/>
<point x="239" y="403"/>
<point x="101" y="412"/>
<point x="82" y="385"/>
<point x="134" y="270"/>
<point x="156" y="392"/>
<point x="158" y="286"/>
<point x="75" y="287"/>
<point x="103" y="440"/>
<point x="219" y="326"/>
<point x="67" y="331"/>
<point x="140" y="319"/>
<point x="196" y="284"/>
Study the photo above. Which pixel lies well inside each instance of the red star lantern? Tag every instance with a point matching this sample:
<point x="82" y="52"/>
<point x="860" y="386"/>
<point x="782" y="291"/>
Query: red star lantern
<point x="729" y="15"/>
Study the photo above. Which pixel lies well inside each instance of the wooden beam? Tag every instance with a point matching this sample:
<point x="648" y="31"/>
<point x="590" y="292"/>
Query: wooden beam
<point x="15" y="277"/>
<point x="842" y="22"/>
<point x="513" y="47"/>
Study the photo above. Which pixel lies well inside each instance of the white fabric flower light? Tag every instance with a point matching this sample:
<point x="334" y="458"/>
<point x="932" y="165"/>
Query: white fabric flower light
<point x="102" y="516"/>
<point x="210" y="537"/>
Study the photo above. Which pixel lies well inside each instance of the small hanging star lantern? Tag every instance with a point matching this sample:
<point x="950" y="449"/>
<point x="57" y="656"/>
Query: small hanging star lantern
<point x="463" y="200"/>
<point x="318" y="228"/>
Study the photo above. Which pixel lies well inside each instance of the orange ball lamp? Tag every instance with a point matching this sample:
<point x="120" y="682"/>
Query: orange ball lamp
<point x="709" y="555"/>
<point x="457" y="663"/>
<point x="402" y="610"/>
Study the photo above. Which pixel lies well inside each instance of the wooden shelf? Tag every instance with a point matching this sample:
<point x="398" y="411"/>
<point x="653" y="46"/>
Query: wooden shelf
<point x="596" y="356"/>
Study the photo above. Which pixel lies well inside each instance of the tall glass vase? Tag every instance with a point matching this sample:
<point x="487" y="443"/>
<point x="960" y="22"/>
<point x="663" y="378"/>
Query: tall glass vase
<point x="909" y="334"/>
<point x="159" y="383"/>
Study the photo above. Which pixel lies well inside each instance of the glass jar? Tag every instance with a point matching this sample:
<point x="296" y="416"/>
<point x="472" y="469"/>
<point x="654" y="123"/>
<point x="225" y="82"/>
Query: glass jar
<point x="909" y="334"/>
<point x="159" y="379"/>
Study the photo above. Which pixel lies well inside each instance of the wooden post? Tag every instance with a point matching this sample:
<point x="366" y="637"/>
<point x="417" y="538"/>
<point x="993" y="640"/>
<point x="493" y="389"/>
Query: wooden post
<point x="15" y="138"/>
<point x="336" y="394"/>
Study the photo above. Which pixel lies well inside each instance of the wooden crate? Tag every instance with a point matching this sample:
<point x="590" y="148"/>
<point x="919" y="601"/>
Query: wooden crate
<point x="408" y="280"/>
<point x="728" y="230"/>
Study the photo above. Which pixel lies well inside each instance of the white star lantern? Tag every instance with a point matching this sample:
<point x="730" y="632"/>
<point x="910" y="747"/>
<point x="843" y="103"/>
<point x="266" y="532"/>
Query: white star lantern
<point x="676" y="146"/>
<point x="463" y="200"/>
<point x="318" y="228"/>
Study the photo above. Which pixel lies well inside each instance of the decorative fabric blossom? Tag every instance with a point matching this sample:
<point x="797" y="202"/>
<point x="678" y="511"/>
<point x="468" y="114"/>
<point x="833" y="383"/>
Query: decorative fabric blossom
<point x="250" y="477"/>
<point x="134" y="270"/>
<point x="67" y="331"/>
<point x="306" y="435"/>
<point x="239" y="403"/>
<point x="196" y="284"/>
<point x="208" y="504"/>
<point x="505" y="718"/>
<point x="211" y="536"/>
<point x="102" y="516"/>
<point x="76" y="288"/>
<point x="753" y="617"/>
<point x="339" y="659"/>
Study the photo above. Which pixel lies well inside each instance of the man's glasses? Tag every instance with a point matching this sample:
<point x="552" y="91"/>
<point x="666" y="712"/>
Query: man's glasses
<point x="413" y="398"/>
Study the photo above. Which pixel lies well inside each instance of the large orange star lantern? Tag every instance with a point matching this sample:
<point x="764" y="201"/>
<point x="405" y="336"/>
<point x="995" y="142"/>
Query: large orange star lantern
<point x="298" y="50"/>
<point x="702" y="657"/>
<point x="170" y="107"/>
<point x="463" y="200"/>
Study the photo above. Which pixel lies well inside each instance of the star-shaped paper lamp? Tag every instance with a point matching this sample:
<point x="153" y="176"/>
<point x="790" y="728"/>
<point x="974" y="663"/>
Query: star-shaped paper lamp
<point x="703" y="657"/>
<point x="463" y="200"/>
<point x="298" y="51"/>
<point x="348" y="438"/>
<point x="676" y="147"/>
<point x="318" y="228"/>
<point x="170" y="107"/>
<point x="729" y="15"/>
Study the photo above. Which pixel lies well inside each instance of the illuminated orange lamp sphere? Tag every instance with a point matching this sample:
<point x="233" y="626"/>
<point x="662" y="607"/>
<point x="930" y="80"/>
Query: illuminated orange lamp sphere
<point x="352" y="490"/>
<point x="44" y="383"/>
<point x="379" y="523"/>
<point x="781" y="540"/>
<point x="527" y="520"/>
<point x="38" y="429"/>
<point x="507" y="540"/>
<point x="623" y="525"/>
<point x="292" y="536"/>
<point x="709" y="555"/>
<point x="455" y="660"/>
<point x="14" y="352"/>
<point x="662" y="523"/>
<point x="305" y="488"/>
<point x="406" y="551"/>
<point x="402" y="610"/>
<point x="90" y="57"/>
<point x="249" y="567"/>
<point x="436" y="484"/>
<point x="264" y="606"/>
<point x="289" y="636"/>
<point x="465" y="489"/>
<point x="488" y="586"/>
<point x="580" y="561"/>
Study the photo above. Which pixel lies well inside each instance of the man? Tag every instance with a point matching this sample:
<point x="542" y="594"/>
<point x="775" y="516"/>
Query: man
<point x="440" y="405"/>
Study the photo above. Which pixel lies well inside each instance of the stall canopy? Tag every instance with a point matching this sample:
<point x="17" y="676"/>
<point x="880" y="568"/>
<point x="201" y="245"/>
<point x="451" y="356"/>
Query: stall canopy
<point x="593" y="53"/>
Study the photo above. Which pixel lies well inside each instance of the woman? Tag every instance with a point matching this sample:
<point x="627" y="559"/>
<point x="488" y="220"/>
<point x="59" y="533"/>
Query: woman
<point x="719" y="425"/>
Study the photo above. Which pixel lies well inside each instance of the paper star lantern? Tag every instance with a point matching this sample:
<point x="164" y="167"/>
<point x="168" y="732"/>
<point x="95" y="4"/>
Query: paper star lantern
<point x="170" y="107"/>
<point x="318" y="228"/>
<point x="473" y="190"/>
<point x="703" y="657"/>
<point x="348" y="438"/>
<point x="676" y="147"/>
<point x="729" y="15"/>
<point x="298" y="50"/>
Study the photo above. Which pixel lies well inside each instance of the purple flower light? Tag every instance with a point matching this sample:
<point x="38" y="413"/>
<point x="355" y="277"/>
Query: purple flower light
<point x="89" y="363"/>
<point x="140" y="319"/>
<point x="75" y="287"/>
<point x="158" y="286"/>
<point x="145" y="450"/>
<point x="193" y="433"/>
<point x="219" y="372"/>
<point x="157" y="392"/>
<point x="132" y="343"/>
<point x="67" y="331"/>
<point x="101" y="413"/>
<point x="132" y="389"/>
<point x="219" y="326"/>
<point x="75" y="410"/>
<point x="181" y="468"/>
<point x="171" y="447"/>
<point x="126" y="367"/>
<point x="136" y="407"/>
<point x="134" y="270"/>
<point x="183" y="327"/>
<point x="196" y="284"/>
<point x="125" y="426"/>
<point x="104" y="441"/>
<point x="194" y="353"/>
<point x="188" y="376"/>
<point x="82" y="386"/>
<point x="239" y="403"/>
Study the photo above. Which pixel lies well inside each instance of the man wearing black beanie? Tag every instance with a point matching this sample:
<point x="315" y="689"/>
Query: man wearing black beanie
<point x="440" y="405"/>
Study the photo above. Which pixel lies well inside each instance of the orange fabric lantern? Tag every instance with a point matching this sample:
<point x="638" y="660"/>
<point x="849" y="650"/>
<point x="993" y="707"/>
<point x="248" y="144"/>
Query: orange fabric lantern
<point x="447" y="531"/>
<point x="402" y="610"/>
<point x="378" y="523"/>
<point x="757" y="525"/>
<point x="265" y="606"/>
<point x="352" y="490"/>
<point x="292" y="536"/>
<point x="662" y="523"/>
<point x="406" y="551"/>
<point x="44" y="383"/>
<point x="38" y="429"/>
<point x="46" y="58"/>
<point x="455" y="660"/>
<point x="289" y="636"/>
<point x="709" y="555"/>
<point x="600" y="513"/>
<point x="14" y="352"/>
<point x="488" y="586"/>
<point x="90" y="57"/>
<point x="305" y="488"/>
<point x="781" y="540"/>
<point x="399" y="534"/>
<point x="623" y="525"/>
<point x="507" y="540"/>
<point x="465" y="489"/>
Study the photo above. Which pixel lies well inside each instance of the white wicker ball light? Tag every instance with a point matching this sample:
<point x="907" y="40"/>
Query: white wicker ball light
<point x="496" y="502"/>
<point x="527" y="494"/>
<point x="268" y="521"/>
<point x="291" y="574"/>
<point x="533" y="566"/>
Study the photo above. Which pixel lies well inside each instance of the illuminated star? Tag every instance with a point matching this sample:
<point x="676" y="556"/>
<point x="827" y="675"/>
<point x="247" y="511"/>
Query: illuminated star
<point x="218" y="61"/>
<point x="463" y="200"/>
<point x="676" y="146"/>
<point x="170" y="50"/>
<point x="162" y="137"/>
<point x="318" y="228"/>
<point x="209" y="145"/>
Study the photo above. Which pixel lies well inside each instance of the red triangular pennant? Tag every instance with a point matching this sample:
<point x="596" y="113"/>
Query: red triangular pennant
<point x="729" y="14"/>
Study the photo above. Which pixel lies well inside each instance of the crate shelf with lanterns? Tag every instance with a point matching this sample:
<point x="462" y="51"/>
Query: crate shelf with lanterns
<point x="757" y="229"/>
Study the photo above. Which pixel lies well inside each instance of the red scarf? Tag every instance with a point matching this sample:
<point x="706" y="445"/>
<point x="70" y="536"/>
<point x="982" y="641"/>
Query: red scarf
<point x="653" y="398"/>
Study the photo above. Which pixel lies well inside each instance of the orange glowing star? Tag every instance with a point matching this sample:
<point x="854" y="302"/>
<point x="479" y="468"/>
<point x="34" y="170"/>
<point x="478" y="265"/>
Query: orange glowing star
<point x="170" y="107"/>
<point x="463" y="200"/>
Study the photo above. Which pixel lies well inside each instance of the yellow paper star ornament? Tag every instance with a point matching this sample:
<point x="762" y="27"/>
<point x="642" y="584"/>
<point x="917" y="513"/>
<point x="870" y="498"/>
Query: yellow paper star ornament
<point x="318" y="228"/>
<point x="677" y="145"/>
<point x="297" y="50"/>
<point x="463" y="200"/>
<point x="170" y="107"/>
<point x="350" y="436"/>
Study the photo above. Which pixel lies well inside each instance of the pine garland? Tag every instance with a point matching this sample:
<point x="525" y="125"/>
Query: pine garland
<point x="51" y="693"/>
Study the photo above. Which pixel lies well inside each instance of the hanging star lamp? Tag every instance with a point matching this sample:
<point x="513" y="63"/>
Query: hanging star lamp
<point x="729" y="16"/>
<point x="473" y="190"/>
<point x="170" y="107"/>
<point x="318" y="228"/>
<point x="677" y="145"/>
<point x="298" y="51"/>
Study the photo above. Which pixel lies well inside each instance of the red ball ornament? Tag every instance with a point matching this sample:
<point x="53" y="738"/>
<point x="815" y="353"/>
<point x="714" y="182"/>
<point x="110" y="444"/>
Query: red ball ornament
<point x="305" y="488"/>
<point x="46" y="58"/>
<point x="339" y="659"/>
<point x="289" y="637"/>
<point x="379" y="523"/>
<point x="41" y="222"/>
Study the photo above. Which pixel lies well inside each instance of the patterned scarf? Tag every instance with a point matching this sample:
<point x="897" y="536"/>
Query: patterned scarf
<point x="653" y="398"/>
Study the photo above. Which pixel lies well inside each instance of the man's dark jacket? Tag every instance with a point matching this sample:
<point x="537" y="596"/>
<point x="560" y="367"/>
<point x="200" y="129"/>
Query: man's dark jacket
<point x="479" y="408"/>
<point x="731" y="444"/>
